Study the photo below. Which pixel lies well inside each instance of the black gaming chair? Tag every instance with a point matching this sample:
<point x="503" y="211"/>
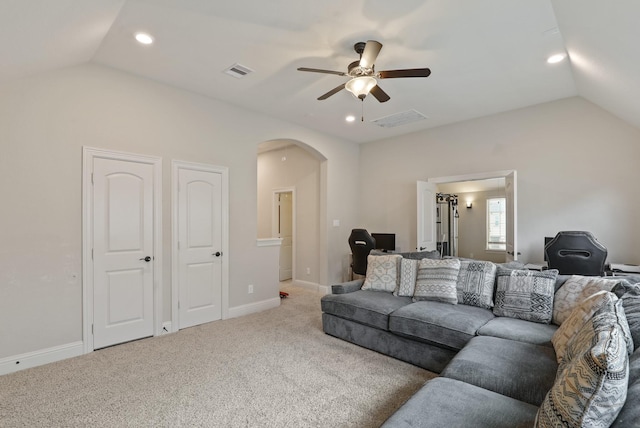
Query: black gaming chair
<point x="361" y="243"/>
<point x="576" y="253"/>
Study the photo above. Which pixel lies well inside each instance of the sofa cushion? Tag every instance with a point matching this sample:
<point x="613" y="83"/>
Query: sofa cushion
<point x="450" y="326"/>
<point x="525" y="294"/>
<point x="445" y="402"/>
<point x="364" y="306"/>
<point x="407" y="278"/>
<point x="382" y="273"/>
<point x="437" y="281"/>
<point x="630" y="413"/>
<point x="519" y="370"/>
<point x="592" y="381"/>
<point x="575" y="290"/>
<point x="630" y="296"/>
<point x="475" y="283"/>
<point x="520" y="330"/>
<point x="578" y="317"/>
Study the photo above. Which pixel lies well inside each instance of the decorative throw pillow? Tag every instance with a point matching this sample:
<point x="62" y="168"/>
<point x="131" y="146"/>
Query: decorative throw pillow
<point x="408" y="274"/>
<point x="437" y="280"/>
<point x="476" y="282"/>
<point x="591" y="386"/>
<point x="525" y="294"/>
<point x="382" y="273"/>
<point x="574" y="290"/>
<point x="579" y="316"/>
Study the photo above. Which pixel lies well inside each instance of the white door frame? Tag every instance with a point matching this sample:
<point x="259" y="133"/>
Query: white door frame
<point x="176" y="166"/>
<point x="485" y="176"/>
<point x="88" y="155"/>
<point x="274" y="224"/>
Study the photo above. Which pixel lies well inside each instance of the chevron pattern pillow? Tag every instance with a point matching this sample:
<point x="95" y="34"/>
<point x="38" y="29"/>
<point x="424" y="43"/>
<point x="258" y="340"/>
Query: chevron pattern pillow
<point x="575" y="290"/>
<point x="525" y="294"/>
<point x="475" y="283"/>
<point x="591" y="385"/>
<point x="437" y="280"/>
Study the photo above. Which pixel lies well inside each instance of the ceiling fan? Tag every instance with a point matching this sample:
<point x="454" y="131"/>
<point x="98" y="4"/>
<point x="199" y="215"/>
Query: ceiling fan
<point x="363" y="75"/>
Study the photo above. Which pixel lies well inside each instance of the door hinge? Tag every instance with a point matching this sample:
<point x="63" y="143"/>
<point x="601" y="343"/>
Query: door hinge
<point x="91" y="328"/>
<point x="92" y="254"/>
<point x="92" y="178"/>
<point x="178" y="304"/>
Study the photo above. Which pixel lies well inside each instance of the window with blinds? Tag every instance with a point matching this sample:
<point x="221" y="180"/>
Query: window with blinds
<point x="496" y="224"/>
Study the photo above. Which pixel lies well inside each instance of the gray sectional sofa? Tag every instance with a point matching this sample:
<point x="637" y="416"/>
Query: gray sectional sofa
<point x="495" y="371"/>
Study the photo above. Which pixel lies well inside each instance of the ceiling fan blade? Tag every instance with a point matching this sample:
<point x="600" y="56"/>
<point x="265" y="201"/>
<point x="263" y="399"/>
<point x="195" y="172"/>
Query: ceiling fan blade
<point x="318" y="70"/>
<point x="412" y="72"/>
<point x="331" y="92"/>
<point x="370" y="53"/>
<point x="380" y="95"/>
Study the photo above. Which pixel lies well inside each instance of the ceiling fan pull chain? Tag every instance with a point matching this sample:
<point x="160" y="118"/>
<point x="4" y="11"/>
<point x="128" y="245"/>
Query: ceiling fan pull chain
<point x="362" y="114"/>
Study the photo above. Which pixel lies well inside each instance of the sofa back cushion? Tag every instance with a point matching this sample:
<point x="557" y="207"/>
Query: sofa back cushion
<point x="437" y="280"/>
<point x="475" y="285"/>
<point x="525" y="294"/>
<point x="630" y="296"/>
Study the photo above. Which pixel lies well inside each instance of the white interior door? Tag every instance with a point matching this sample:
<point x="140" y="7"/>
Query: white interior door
<point x="512" y="216"/>
<point x="426" y="216"/>
<point x="285" y="231"/>
<point x="200" y="246"/>
<point x="123" y="258"/>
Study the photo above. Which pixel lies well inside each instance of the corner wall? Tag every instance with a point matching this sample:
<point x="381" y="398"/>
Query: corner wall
<point x="44" y="122"/>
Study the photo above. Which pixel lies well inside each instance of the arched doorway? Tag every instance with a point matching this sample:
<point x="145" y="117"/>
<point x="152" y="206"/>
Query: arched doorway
<point x="292" y="169"/>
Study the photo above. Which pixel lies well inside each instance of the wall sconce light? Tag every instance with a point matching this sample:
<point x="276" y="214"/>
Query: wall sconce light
<point x="469" y="204"/>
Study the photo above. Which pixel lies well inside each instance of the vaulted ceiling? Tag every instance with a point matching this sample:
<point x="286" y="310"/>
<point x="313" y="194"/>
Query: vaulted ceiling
<point x="485" y="56"/>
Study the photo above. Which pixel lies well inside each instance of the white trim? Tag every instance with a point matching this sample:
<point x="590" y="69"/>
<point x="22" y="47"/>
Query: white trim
<point x="471" y="177"/>
<point x="40" y="357"/>
<point x="176" y="165"/>
<point x="269" y="242"/>
<point x="308" y="285"/>
<point x="251" y="308"/>
<point x="88" y="155"/>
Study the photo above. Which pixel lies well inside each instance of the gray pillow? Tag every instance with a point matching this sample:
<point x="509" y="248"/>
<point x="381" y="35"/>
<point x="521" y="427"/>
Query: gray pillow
<point x="630" y="296"/>
<point x="525" y="294"/>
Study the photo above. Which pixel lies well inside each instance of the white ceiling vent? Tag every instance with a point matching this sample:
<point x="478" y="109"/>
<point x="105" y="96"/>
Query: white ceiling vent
<point x="398" y="119"/>
<point x="238" y="71"/>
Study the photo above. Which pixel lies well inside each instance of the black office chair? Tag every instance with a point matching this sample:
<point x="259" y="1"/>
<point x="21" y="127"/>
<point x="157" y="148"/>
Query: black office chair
<point x="361" y="243"/>
<point x="576" y="253"/>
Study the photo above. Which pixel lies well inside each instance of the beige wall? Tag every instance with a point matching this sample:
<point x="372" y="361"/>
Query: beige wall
<point x="44" y="122"/>
<point x="577" y="170"/>
<point x="472" y="226"/>
<point x="300" y="170"/>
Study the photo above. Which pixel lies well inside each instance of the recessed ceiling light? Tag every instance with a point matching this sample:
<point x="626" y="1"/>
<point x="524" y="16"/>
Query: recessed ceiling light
<point x="556" y="58"/>
<point x="350" y="118"/>
<point x="144" y="38"/>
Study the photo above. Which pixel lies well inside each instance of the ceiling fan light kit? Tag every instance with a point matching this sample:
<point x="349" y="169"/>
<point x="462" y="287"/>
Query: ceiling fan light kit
<point x="360" y="86"/>
<point x="363" y="75"/>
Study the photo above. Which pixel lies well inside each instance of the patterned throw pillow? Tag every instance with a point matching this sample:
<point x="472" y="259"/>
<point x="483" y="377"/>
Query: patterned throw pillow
<point x="437" y="280"/>
<point x="591" y="385"/>
<point x="475" y="283"/>
<point x="525" y="294"/>
<point x="579" y="316"/>
<point x="382" y="273"/>
<point x="574" y="290"/>
<point x="408" y="274"/>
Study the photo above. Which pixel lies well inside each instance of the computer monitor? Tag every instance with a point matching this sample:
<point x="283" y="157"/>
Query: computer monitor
<point x="385" y="241"/>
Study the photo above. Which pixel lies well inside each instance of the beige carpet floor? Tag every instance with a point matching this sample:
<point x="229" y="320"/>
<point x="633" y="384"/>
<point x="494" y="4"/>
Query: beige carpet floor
<point x="272" y="369"/>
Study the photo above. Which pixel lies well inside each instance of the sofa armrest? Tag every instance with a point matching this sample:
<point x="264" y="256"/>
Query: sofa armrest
<point x="347" y="287"/>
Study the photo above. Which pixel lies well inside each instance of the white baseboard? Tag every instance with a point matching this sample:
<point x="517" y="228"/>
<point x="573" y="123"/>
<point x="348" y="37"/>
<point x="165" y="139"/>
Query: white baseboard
<point x="38" y="358"/>
<point x="307" y="285"/>
<point x="252" y="308"/>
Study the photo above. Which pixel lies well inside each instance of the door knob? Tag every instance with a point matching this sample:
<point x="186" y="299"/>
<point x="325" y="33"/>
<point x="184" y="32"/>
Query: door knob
<point x="146" y="259"/>
<point x="217" y="253"/>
